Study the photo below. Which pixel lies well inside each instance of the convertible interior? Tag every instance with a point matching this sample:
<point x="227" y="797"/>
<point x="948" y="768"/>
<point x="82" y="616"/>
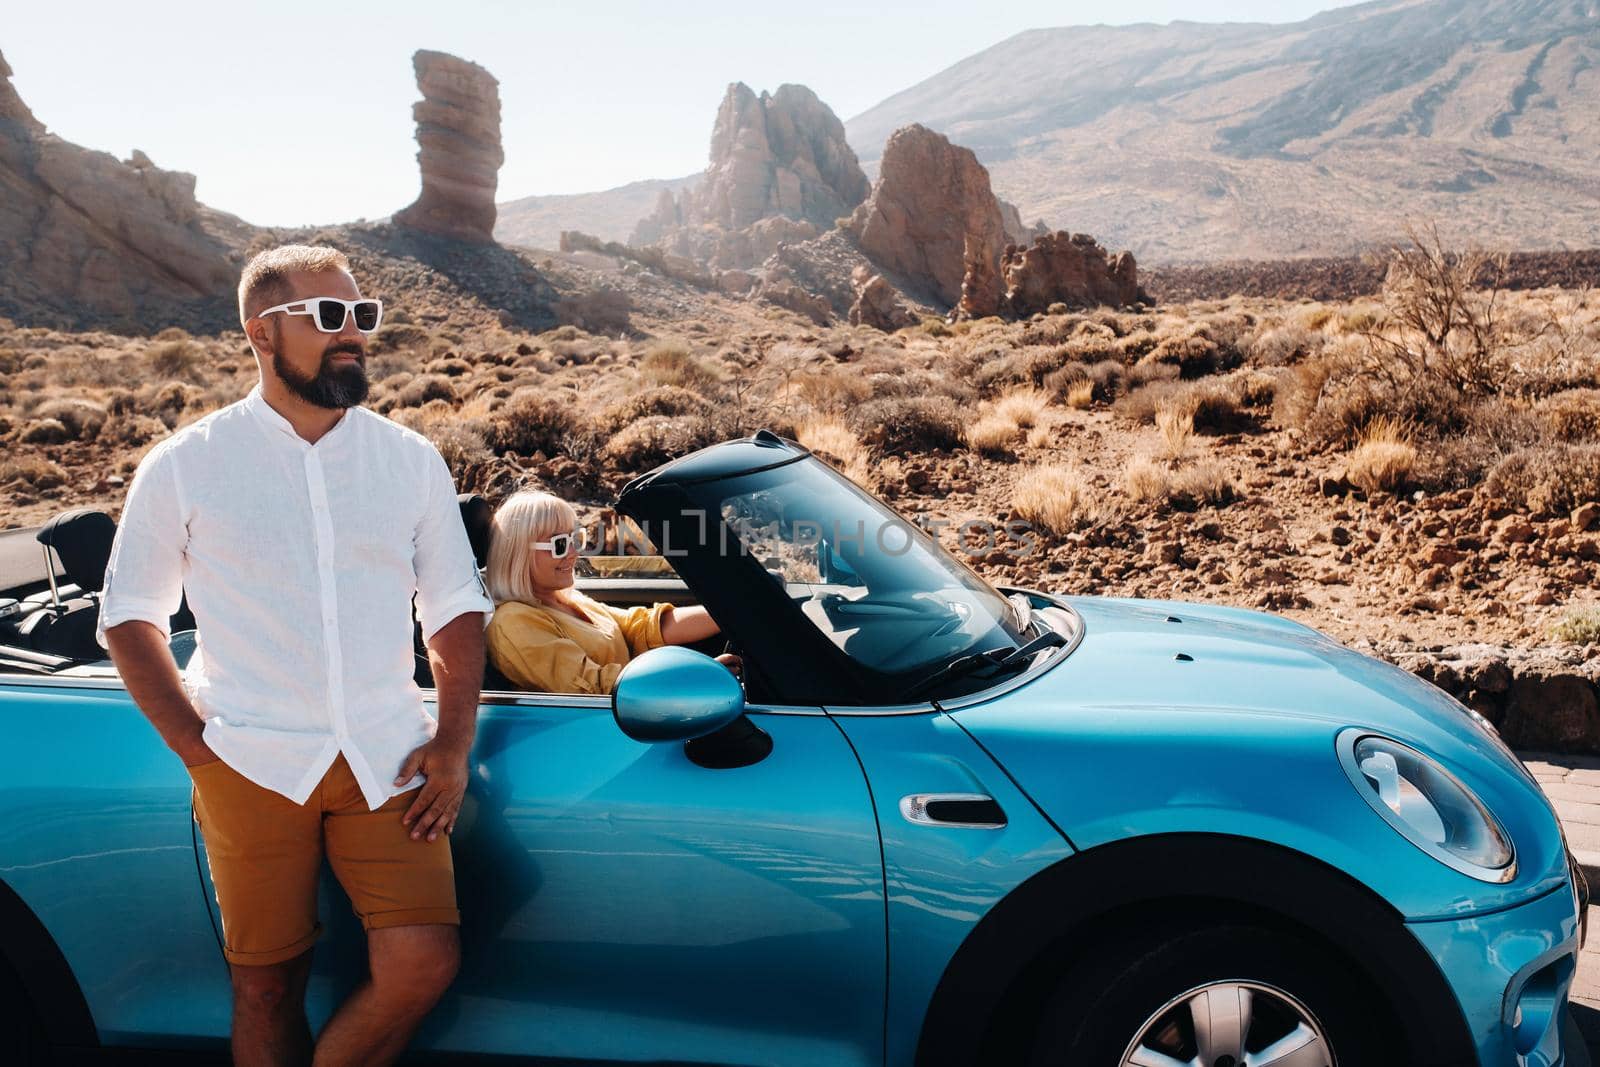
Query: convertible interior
<point x="51" y="581"/>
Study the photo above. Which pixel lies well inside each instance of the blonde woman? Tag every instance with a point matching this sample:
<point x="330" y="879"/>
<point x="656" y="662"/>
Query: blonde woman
<point x="545" y="635"/>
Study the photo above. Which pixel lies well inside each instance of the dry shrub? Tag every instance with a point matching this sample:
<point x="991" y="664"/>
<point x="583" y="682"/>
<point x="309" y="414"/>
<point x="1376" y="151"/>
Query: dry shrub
<point x="1026" y="366"/>
<point x="463" y="448"/>
<point x="1281" y="345"/>
<point x="1080" y="395"/>
<point x="1176" y="426"/>
<point x="1578" y="626"/>
<point x="532" y="420"/>
<point x="1332" y="396"/>
<point x="180" y="358"/>
<point x="660" y="400"/>
<point x="1108" y="379"/>
<point x="1146" y="480"/>
<point x="830" y="390"/>
<point x="423" y="388"/>
<point x="82" y="419"/>
<point x="400" y="337"/>
<point x="1494" y="428"/>
<point x="836" y="443"/>
<point x="1573" y="415"/>
<point x="130" y="429"/>
<point x="44" y="432"/>
<point x="1055" y="498"/>
<point x="1547" y="479"/>
<point x="654" y="440"/>
<point x="36" y="471"/>
<point x="1384" y="459"/>
<point x="1204" y="483"/>
<point x="992" y="435"/>
<point x="903" y="426"/>
<point x="1212" y="406"/>
<point x="670" y="364"/>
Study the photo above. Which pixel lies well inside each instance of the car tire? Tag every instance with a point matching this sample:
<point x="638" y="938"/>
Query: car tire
<point x="1156" y="990"/>
<point x="22" y="1040"/>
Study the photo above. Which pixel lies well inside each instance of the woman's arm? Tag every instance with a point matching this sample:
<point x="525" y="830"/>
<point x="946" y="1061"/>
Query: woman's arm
<point x="685" y="626"/>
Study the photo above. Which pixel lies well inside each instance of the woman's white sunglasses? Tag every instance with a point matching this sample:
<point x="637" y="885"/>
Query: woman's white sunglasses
<point x="559" y="544"/>
<point x="329" y="312"/>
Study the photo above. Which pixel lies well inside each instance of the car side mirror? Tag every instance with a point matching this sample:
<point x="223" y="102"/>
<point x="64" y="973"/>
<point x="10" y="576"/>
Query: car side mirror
<point x="675" y="694"/>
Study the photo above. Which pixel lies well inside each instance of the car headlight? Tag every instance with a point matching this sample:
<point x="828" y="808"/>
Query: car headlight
<point x="1428" y="805"/>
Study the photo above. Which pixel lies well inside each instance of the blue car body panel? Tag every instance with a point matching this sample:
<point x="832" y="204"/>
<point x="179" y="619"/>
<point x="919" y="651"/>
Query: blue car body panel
<point x="1124" y="739"/>
<point x="1488" y="955"/>
<point x="99" y="843"/>
<point x="942" y="880"/>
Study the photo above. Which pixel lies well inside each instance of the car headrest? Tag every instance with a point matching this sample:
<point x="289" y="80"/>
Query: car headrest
<point x="478" y="517"/>
<point x="82" y="540"/>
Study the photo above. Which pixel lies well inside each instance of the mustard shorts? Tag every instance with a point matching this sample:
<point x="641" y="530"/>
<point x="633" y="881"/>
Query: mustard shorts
<point x="266" y="851"/>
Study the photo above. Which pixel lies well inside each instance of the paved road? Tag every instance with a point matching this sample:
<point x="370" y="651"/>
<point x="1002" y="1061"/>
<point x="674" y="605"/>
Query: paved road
<point x="1573" y="785"/>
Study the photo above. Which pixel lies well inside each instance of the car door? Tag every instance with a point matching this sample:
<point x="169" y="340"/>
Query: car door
<point x="621" y="903"/>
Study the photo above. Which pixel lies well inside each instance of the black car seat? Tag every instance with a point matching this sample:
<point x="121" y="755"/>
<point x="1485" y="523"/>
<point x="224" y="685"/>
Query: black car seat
<point x="64" y="624"/>
<point x="478" y="518"/>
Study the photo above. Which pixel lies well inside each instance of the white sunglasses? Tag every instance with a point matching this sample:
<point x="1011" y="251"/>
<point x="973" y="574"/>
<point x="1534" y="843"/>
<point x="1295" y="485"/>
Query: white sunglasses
<point x="559" y="544"/>
<point x="329" y="312"/>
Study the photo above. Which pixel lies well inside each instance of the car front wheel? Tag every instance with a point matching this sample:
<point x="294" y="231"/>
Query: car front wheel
<point x="1217" y="996"/>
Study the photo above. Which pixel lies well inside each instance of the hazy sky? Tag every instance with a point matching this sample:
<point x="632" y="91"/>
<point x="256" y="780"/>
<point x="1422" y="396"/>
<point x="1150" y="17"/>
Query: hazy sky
<point x="299" y="112"/>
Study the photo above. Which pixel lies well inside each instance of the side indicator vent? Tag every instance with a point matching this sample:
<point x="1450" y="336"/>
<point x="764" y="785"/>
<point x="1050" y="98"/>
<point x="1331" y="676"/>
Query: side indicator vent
<point x="972" y="811"/>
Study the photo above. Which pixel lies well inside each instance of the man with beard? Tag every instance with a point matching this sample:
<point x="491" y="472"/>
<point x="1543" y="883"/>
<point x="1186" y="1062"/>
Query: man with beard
<point x="300" y="524"/>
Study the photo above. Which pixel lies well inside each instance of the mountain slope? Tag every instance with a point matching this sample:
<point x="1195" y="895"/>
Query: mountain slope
<point x="537" y="221"/>
<point x="1191" y="141"/>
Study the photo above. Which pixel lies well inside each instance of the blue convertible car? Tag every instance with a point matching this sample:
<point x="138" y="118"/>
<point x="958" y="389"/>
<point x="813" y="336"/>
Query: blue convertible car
<point x="939" y="823"/>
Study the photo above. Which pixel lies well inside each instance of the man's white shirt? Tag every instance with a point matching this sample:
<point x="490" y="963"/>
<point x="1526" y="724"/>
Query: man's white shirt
<point x="300" y="562"/>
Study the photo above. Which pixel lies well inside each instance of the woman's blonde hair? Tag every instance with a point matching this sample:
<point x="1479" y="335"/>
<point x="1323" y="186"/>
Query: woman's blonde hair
<point x="524" y="518"/>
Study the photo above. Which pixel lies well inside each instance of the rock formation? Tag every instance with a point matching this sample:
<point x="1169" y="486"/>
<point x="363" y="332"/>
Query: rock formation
<point x="780" y="172"/>
<point x="929" y="214"/>
<point x="1018" y="232"/>
<point x="458" y="138"/>
<point x="88" y="240"/>
<point x="1066" y="268"/>
<point x="877" y="302"/>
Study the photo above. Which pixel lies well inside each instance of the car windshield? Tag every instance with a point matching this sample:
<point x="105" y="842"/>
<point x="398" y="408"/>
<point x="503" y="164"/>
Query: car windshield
<point x="877" y="586"/>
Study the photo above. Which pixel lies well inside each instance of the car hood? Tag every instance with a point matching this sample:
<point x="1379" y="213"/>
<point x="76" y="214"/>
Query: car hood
<point x="1172" y="717"/>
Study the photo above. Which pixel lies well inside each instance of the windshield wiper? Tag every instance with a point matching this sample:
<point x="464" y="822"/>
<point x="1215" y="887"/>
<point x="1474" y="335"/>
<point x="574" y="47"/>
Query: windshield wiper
<point x="994" y="657"/>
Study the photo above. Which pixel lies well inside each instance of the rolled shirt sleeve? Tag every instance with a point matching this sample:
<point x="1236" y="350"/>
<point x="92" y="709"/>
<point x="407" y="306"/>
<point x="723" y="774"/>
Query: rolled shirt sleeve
<point x="448" y="582"/>
<point x="144" y="574"/>
<point x="640" y="626"/>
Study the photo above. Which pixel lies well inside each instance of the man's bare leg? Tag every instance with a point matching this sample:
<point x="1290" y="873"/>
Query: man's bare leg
<point x="411" y="967"/>
<point x="269" y="1014"/>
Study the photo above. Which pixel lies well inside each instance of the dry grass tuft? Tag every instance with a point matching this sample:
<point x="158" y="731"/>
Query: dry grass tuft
<point x="1384" y="459"/>
<point x="1146" y="480"/>
<point x="837" y="443"/>
<point x="1176" y="426"/>
<point x="993" y="435"/>
<point x="1022" y="407"/>
<point x="1054" y="497"/>
<point x="1080" y="395"/>
<point x="1206" y="483"/>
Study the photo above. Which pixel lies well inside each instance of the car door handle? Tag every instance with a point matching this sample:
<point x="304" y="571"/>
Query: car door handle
<point x="971" y="811"/>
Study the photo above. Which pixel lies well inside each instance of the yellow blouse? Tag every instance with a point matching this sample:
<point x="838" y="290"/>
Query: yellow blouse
<point x="542" y="649"/>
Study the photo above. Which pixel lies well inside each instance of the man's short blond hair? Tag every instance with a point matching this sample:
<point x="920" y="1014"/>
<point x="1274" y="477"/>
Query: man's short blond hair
<point x="265" y="281"/>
